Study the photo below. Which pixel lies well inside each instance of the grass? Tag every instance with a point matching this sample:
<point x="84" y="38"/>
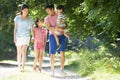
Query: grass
<point x="98" y="64"/>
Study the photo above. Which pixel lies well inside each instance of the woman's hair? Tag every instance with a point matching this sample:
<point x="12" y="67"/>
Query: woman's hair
<point x="24" y="6"/>
<point x="60" y="7"/>
<point x="50" y="6"/>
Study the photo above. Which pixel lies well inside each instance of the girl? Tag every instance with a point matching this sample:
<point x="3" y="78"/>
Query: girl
<point x="39" y="38"/>
<point x="23" y="26"/>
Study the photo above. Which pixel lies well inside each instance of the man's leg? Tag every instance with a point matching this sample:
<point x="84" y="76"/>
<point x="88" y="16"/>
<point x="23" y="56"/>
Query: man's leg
<point x="52" y="61"/>
<point x="62" y="60"/>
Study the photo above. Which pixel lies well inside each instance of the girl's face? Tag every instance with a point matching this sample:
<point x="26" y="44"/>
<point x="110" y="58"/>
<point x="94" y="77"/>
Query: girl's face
<point x="25" y="12"/>
<point x="50" y="11"/>
<point x="39" y="23"/>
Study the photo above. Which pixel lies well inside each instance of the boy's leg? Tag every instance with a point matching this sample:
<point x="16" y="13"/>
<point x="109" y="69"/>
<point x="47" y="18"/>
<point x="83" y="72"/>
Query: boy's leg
<point x="56" y="38"/>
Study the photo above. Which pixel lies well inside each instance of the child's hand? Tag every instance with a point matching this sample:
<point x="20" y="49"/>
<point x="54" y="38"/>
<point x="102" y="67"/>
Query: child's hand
<point x="32" y="39"/>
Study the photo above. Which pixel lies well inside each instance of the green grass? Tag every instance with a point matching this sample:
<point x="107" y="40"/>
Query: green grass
<point x="99" y="64"/>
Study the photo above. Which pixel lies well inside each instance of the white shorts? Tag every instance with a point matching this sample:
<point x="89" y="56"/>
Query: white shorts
<point x="22" y="41"/>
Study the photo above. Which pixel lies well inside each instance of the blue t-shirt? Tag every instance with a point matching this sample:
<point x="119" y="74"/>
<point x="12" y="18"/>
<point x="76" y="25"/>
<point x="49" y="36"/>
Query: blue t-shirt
<point x="23" y="26"/>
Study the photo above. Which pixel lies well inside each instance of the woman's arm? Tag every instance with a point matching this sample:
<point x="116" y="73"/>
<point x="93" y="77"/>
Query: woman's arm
<point x="33" y="34"/>
<point x="15" y="31"/>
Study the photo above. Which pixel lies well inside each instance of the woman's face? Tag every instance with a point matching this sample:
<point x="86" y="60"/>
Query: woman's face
<point x="50" y="11"/>
<point x="25" y="12"/>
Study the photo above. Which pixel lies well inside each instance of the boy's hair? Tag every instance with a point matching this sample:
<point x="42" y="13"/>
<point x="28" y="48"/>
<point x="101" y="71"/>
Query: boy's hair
<point x="49" y="6"/>
<point x="60" y="7"/>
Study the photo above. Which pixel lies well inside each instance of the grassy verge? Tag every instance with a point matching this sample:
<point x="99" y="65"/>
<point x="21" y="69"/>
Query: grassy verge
<point x="99" y="64"/>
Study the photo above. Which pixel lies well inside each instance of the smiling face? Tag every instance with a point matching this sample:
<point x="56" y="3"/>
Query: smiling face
<point x="25" y="11"/>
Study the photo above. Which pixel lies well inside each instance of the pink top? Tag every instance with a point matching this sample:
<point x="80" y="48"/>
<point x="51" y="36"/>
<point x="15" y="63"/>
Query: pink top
<point x="40" y="35"/>
<point x="51" y="20"/>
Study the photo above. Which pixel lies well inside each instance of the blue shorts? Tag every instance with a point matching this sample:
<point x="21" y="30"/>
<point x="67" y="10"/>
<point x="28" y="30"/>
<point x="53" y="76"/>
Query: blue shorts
<point x="53" y="45"/>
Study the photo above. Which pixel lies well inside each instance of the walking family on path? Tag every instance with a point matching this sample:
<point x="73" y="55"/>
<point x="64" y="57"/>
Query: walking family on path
<point x="56" y="24"/>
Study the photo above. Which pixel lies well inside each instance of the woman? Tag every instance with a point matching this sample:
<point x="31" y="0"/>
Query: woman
<point x="22" y="28"/>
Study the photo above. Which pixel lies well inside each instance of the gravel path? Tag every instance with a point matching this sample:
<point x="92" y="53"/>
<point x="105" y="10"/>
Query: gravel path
<point x="10" y="68"/>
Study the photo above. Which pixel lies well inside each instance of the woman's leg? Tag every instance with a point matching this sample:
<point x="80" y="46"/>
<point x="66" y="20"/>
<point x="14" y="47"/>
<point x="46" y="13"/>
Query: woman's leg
<point x="24" y="51"/>
<point x="36" y="59"/>
<point x="19" y="53"/>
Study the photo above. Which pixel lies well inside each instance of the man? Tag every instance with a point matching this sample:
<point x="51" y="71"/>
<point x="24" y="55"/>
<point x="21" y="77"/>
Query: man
<point x="50" y="21"/>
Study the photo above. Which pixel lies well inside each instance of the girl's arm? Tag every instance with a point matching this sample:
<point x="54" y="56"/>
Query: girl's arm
<point x="15" y="30"/>
<point x="45" y="36"/>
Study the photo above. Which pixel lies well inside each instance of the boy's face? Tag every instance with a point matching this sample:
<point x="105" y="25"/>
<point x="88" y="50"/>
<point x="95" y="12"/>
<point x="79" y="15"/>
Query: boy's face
<point x="59" y="10"/>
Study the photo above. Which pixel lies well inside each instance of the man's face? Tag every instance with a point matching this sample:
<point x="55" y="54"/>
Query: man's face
<point x="49" y="11"/>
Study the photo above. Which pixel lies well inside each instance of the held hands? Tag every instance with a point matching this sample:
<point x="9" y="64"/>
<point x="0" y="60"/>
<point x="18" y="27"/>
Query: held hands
<point x="32" y="39"/>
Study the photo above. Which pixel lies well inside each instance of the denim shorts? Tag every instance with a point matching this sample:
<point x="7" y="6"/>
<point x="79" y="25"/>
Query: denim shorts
<point x="53" y="45"/>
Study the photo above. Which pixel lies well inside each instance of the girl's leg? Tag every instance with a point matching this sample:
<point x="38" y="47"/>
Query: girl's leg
<point x="52" y="60"/>
<point x="36" y="59"/>
<point x="41" y="60"/>
<point x="24" y="51"/>
<point x="19" y="53"/>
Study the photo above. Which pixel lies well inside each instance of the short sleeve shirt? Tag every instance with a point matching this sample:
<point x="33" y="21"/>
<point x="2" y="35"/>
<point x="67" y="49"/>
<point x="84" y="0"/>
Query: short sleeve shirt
<point x="40" y="34"/>
<point x="23" y="26"/>
<point x="51" y="20"/>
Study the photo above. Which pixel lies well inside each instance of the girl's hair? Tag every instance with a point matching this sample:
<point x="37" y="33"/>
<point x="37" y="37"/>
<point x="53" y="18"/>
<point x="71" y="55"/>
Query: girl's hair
<point x="50" y="6"/>
<point x="36" y="21"/>
<point x="60" y="7"/>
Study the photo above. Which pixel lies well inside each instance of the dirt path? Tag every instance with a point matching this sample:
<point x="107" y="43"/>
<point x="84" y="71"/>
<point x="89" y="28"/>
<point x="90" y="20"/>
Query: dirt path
<point x="9" y="68"/>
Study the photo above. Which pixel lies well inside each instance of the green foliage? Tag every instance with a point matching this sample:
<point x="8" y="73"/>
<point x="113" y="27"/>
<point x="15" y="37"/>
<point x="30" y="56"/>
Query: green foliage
<point x="87" y="61"/>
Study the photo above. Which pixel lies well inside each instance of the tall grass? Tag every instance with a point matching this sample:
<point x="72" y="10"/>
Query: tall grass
<point x="94" y="63"/>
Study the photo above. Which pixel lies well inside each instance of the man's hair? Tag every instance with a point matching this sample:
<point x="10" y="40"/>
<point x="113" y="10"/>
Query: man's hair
<point x="49" y="6"/>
